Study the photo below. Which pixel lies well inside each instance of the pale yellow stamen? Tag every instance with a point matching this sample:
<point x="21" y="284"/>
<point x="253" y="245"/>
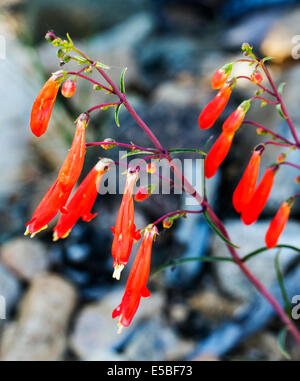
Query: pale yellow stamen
<point x="120" y="326"/>
<point x="35" y="233"/>
<point x="117" y="271"/>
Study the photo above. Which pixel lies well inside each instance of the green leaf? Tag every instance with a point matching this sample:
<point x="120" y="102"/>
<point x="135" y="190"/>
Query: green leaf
<point x="280" y="87"/>
<point x="99" y="64"/>
<point x="280" y="279"/>
<point x="135" y="152"/>
<point x="192" y="259"/>
<point x="70" y="41"/>
<point x="279" y="109"/>
<point x="122" y="81"/>
<point x="265" y="59"/>
<point x="117" y="114"/>
<point x="263" y="249"/>
<point x="217" y="231"/>
<point x="187" y="150"/>
<point x="281" y="343"/>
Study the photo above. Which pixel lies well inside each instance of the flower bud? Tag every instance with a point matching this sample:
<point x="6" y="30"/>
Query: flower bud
<point x="215" y="107"/>
<point x="256" y="78"/>
<point x="260" y="197"/>
<point x="278" y="223"/>
<point x="221" y="76"/>
<point x="217" y="153"/>
<point x="151" y="168"/>
<point x="167" y="223"/>
<point x="68" y="88"/>
<point x="108" y="146"/>
<point x="234" y="121"/>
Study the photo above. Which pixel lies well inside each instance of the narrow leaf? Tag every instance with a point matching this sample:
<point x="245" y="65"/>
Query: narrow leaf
<point x="117" y="114"/>
<point x="217" y="231"/>
<point x="262" y="249"/>
<point x="281" y="343"/>
<point x="265" y="59"/>
<point x="99" y="64"/>
<point x="280" y="279"/>
<point x="279" y="109"/>
<point x="122" y="81"/>
<point x="280" y="87"/>
<point x="192" y="259"/>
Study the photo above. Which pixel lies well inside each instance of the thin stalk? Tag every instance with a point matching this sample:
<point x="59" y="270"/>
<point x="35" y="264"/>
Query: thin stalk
<point x="283" y="108"/>
<point x="182" y="211"/>
<point x="258" y="125"/>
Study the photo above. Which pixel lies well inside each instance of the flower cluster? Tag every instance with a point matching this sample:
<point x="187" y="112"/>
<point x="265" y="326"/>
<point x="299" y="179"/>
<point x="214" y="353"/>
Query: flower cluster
<point x="83" y="199"/>
<point x="249" y="198"/>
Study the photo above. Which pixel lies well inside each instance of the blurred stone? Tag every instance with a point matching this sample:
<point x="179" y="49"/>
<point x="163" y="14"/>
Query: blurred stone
<point x="80" y="18"/>
<point x="155" y="341"/>
<point x="27" y="258"/>
<point x="251" y="29"/>
<point x="250" y="238"/>
<point x="95" y="331"/>
<point x="279" y="42"/>
<point x="9" y="288"/>
<point x="262" y="346"/>
<point x="212" y="305"/>
<point x="39" y="333"/>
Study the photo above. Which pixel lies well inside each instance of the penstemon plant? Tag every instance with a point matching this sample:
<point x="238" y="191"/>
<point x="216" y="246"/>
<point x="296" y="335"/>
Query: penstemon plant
<point x="249" y="198"/>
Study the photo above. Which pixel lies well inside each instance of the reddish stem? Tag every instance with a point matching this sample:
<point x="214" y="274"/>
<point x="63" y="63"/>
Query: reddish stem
<point x="102" y="106"/>
<point x="130" y="146"/>
<point x="290" y="164"/>
<point x="170" y="214"/>
<point x="190" y="190"/>
<point x="283" y="108"/>
<point x="257" y="84"/>
<point x="88" y="79"/>
<point x="277" y="136"/>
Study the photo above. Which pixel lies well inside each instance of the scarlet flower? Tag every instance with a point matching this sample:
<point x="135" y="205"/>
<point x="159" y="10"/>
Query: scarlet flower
<point x="125" y="231"/>
<point x="215" y="107"/>
<point x="137" y="281"/>
<point x="256" y="78"/>
<point x="246" y="187"/>
<point x="58" y="194"/>
<point x="43" y="105"/>
<point x="234" y="121"/>
<point x="68" y="88"/>
<point x="260" y="197"/>
<point x="142" y="194"/>
<point x="221" y="76"/>
<point x="278" y="224"/>
<point x="217" y="153"/>
<point x="82" y="201"/>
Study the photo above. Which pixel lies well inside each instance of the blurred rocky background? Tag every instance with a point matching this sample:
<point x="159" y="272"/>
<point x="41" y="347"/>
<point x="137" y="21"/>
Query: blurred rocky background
<point x="59" y="296"/>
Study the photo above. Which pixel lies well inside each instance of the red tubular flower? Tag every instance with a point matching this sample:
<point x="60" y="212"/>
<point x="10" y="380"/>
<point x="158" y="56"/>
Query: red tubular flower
<point x="221" y="76"/>
<point x="137" y="281"/>
<point x="68" y="88"/>
<point x="58" y="194"/>
<point x="234" y="121"/>
<point x="125" y="231"/>
<point x="217" y="153"/>
<point x="215" y="107"/>
<point x="141" y="194"/>
<point x="278" y="224"/>
<point x="256" y="78"/>
<point x="82" y="201"/>
<point x="260" y="197"/>
<point x="43" y="105"/>
<point x="246" y="187"/>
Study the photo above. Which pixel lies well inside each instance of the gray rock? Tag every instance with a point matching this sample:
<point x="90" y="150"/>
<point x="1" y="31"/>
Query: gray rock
<point x="27" y="258"/>
<point x="95" y="331"/>
<point x="250" y="238"/>
<point x="40" y="330"/>
<point x="279" y="43"/>
<point x="155" y="341"/>
<point x="9" y="288"/>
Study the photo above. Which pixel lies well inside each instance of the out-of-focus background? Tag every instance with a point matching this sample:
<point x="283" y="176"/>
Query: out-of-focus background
<point x="59" y="296"/>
